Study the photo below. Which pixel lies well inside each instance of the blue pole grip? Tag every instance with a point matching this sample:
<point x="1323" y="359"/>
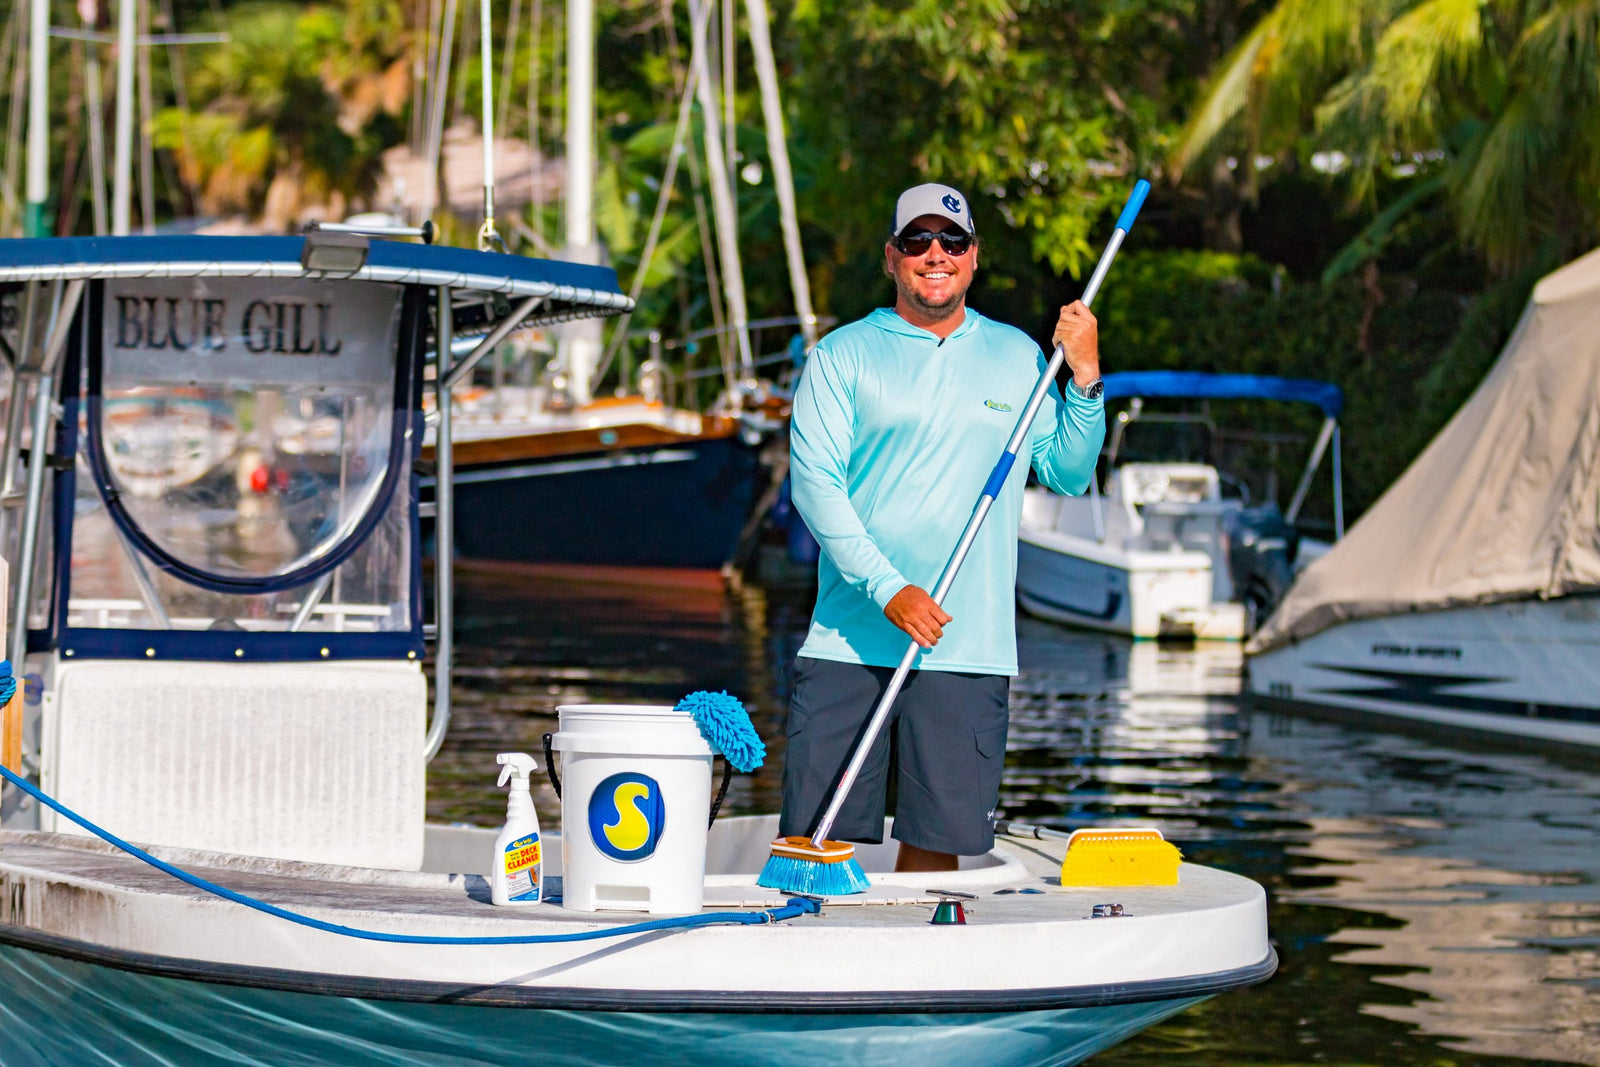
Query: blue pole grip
<point x="997" y="477"/>
<point x="1130" y="210"/>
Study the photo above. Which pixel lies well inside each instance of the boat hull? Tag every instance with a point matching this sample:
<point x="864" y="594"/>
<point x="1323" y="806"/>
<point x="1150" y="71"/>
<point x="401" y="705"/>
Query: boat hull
<point x="1070" y="580"/>
<point x="109" y="952"/>
<point x="60" y="1009"/>
<point x="1525" y="673"/>
<point x="678" y="505"/>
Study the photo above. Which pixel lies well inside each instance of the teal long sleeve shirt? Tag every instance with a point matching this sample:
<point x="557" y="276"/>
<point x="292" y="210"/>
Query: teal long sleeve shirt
<point x="894" y="435"/>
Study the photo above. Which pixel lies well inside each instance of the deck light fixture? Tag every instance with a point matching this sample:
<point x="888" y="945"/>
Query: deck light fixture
<point x="332" y="252"/>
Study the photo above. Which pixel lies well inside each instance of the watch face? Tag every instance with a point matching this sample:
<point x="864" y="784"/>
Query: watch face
<point x="1096" y="389"/>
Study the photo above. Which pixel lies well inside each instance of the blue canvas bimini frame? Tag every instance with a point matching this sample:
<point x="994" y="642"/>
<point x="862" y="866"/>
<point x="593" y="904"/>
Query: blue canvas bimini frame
<point x="1201" y="385"/>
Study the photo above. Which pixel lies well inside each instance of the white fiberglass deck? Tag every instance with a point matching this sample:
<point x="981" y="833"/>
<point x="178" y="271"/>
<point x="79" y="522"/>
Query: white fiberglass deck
<point x="1033" y="946"/>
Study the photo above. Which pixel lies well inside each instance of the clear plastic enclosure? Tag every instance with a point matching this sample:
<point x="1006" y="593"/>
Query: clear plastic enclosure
<point x="246" y="429"/>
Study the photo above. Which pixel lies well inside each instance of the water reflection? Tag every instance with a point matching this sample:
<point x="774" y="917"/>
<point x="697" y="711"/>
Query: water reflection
<point x="1429" y="905"/>
<point x="526" y="645"/>
<point x="1483" y="870"/>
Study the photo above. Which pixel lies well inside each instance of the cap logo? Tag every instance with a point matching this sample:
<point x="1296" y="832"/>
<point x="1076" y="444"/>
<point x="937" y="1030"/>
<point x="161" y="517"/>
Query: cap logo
<point x="951" y="202"/>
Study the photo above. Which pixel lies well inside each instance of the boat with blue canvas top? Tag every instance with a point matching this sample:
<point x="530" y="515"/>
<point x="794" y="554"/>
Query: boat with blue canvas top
<point x="1173" y="548"/>
<point x="212" y="833"/>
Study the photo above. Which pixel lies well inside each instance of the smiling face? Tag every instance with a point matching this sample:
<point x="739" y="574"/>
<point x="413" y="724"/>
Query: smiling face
<point x="931" y="289"/>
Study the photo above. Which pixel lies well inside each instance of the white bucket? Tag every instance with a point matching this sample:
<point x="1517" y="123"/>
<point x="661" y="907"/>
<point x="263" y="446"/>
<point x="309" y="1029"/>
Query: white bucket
<point x="635" y="797"/>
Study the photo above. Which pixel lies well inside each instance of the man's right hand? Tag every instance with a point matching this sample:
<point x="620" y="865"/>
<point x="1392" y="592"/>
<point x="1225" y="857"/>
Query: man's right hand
<point x="914" y="611"/>
<point x="1078" y="331"/>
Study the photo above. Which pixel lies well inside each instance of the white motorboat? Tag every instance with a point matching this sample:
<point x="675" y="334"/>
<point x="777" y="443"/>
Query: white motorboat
<point x="1525" y="670"/>
<point x="108" y="954"/>
<point x="247" y="702"/>
<point x="1467" y="599"/>
<point x="1154" y="553"/>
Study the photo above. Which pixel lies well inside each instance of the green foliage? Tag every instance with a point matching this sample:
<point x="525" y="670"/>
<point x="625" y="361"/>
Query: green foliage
<point x="1383" y="230"/>
<point x="1185" y="310"/>
<point x="1264" y="89"/>
<point x="1468" y="130"/>
<point x="1007" y="100"/>
<point x="1502" y="96"/>
<point x="268" y="115"/>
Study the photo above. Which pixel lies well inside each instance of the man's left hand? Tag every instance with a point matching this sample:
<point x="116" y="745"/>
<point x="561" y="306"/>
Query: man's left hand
<point x="1078" y="332"/>
<point x="915" y="612"/>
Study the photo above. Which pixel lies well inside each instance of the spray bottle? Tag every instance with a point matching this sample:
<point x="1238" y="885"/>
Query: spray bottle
<point x="514" y="876"/>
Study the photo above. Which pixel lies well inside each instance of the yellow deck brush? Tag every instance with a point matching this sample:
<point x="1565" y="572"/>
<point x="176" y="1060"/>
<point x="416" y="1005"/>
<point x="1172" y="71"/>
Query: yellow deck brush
<point x="1120" y="858"/>
<point x="1131" y="856"/>
<point x="822" y="867"/>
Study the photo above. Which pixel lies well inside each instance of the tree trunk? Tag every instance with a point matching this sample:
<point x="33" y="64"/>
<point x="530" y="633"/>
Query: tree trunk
<point x="1220" y="224"/>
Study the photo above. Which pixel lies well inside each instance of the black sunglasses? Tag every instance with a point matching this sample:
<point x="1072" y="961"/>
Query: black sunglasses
<point x="954" y="242"/>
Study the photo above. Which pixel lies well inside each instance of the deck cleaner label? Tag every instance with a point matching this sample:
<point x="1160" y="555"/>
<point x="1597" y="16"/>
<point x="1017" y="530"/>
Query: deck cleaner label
<point x="626" y="816"/>
<point x="522" y="868"/>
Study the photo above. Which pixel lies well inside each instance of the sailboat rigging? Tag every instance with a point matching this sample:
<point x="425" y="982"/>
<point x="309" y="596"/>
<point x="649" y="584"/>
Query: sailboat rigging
<point x="547" y="472"/>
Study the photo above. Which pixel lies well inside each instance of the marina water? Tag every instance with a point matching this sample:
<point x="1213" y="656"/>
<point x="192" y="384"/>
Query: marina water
<point x="1431" y="903"/>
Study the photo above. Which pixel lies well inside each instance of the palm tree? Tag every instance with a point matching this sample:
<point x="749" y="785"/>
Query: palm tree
<point x="293" y="111"/>
<point x="1490" y="102"/>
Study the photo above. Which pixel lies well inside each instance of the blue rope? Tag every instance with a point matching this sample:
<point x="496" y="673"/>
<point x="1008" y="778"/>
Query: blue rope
<point x="796" y="906"/>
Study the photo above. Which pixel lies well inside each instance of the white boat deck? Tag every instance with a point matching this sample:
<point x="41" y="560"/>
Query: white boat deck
<point x="1040" y="944"/>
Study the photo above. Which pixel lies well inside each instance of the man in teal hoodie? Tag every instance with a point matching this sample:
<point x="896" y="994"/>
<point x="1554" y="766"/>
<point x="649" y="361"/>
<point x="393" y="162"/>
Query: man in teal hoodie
<point x="898" y="422"/>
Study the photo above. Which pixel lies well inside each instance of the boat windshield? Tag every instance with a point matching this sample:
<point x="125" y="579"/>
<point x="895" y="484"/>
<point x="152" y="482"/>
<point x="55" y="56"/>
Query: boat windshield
<point x="239" y="433"/>
<point x="1171" y="437"/>
<point x="1254" y="452"/>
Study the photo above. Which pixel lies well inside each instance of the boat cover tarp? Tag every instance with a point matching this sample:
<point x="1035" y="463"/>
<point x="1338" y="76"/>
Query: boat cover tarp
<point x="1504" y="504"/>
<point x="1199" y="384"/>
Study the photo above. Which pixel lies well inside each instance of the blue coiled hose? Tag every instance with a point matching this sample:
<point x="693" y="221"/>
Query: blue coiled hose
<point x="795" y="907"/>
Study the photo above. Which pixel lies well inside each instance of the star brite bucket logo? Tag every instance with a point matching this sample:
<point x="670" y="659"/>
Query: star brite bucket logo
<point x="626" y="816"/>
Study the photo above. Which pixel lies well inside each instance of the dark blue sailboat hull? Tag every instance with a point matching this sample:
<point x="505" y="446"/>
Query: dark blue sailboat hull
<point x="681" y="504"/>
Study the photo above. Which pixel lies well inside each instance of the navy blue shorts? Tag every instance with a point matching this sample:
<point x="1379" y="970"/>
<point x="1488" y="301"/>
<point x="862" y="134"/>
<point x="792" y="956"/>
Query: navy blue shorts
<point x="947" y="732"/>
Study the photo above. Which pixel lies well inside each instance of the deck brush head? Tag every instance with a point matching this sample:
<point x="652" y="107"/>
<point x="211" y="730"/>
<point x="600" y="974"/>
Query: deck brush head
<point x="1131" y="857"/>
<point x="798" y="866"/>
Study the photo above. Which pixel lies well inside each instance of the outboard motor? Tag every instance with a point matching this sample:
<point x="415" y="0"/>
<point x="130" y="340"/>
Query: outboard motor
<point x="1262" y="546"/>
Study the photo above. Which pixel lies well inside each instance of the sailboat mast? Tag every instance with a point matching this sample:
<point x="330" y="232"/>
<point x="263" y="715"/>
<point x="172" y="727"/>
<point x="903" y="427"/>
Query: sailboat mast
<point x="782" y="175"/>
<point x="486" y="233"/>
<point x="97" y="131"/>
<point x="432" y="194"/>
<point x="147" y="159"/>
<point x="38" y="119"/>
<point x="580" y="341"/>
<point x="122" y="176"/>
<point x="722" y="207"/>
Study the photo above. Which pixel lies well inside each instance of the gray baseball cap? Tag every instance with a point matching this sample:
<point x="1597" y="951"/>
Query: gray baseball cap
<point x="932" y="199"/>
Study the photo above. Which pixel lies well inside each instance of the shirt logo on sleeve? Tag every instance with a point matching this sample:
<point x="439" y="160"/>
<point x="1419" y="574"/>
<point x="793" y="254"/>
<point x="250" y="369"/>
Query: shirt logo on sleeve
<point x="997" y="405"/>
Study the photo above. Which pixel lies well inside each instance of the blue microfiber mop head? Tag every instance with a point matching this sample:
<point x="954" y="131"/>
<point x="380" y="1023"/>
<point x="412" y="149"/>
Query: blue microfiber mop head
<point x="726" y="726"/>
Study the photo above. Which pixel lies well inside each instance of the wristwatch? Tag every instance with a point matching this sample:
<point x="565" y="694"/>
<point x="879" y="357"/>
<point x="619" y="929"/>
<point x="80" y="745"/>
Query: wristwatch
<point x="1093" y="391"/>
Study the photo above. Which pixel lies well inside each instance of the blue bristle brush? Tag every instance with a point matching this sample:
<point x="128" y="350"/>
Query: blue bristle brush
<point x="815" y="865"/>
